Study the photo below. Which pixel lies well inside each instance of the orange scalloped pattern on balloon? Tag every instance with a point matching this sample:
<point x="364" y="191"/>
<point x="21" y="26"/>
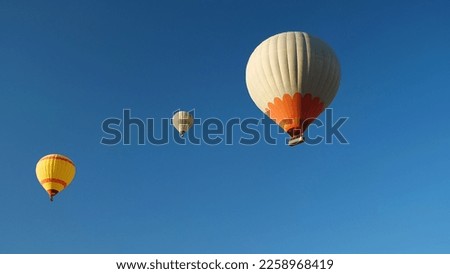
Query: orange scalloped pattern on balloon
<point x="295" y="113"/>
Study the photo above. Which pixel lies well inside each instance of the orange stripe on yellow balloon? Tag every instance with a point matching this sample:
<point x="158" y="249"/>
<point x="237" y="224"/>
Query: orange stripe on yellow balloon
<point x="54" y="180"/>
<point x="58" y="157"/>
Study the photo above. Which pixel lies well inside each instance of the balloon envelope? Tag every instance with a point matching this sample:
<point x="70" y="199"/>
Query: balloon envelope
<point x="292" y="77"/>
<point x="55" y="172"/>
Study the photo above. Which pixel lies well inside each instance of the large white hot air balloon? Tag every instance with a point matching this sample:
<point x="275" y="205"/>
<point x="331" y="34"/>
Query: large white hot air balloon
<point x="182" y="121"/>
<point x="292" y="77"/>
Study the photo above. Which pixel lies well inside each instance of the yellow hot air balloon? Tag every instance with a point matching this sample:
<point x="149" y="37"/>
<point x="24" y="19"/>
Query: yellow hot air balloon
<point x="55" y="172"/>
<point x="292" y="77"/>
<point x="182" y="121"/>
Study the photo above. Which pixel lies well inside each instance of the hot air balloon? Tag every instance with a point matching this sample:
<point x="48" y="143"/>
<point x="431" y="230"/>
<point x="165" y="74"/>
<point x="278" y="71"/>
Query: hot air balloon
<point x="182" y="121"/>
<point x="55" y="172"/>
<point x="292" y="77"/>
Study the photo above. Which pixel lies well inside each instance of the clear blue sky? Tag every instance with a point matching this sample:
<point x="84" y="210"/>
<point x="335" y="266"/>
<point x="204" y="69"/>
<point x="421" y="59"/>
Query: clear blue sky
<point x="65" y="66"/>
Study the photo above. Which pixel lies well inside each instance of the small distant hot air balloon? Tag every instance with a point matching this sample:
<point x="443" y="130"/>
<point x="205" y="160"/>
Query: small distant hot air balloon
<point x="182" y="121"/>
<point x="55" y="172"/>
<point x="292" y="77"/>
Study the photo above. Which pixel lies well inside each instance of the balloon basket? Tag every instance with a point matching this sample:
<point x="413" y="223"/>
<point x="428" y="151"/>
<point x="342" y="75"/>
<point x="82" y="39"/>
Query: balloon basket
<point x="296" y="140"/>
